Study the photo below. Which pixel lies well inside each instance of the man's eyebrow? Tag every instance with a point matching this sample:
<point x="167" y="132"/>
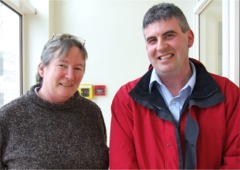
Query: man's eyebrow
<point x="151" y="37"/>
<point x="164" y="34"/>
<point x="169" y="32"/>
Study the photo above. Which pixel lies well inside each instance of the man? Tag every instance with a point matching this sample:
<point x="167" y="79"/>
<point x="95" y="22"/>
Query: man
<point x="177" y="115"/>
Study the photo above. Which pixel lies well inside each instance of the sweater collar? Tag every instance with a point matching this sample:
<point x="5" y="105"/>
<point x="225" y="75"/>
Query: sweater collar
<point x="71" y="103"/>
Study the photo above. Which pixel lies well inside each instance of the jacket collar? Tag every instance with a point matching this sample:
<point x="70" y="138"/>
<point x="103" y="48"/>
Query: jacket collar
<point x="205" y="88"/>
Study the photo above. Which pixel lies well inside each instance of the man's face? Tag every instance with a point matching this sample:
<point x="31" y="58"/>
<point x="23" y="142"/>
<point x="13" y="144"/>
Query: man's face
<point x="167" y="47"/>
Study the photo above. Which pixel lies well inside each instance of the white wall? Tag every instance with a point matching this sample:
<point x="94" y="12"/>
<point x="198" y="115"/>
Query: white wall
<point x="113" y="33"/>
<point x="36" y="34"/>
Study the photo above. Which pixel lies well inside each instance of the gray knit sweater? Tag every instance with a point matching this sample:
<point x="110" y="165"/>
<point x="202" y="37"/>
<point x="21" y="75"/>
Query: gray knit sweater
<point x="36" y="134"/>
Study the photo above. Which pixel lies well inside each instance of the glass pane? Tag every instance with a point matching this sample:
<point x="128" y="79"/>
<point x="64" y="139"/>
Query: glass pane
<point x="211" y="37"/>
<point x="10" y="86"/>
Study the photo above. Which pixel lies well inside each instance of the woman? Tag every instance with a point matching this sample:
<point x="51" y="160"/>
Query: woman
<point x="52" y="126"/>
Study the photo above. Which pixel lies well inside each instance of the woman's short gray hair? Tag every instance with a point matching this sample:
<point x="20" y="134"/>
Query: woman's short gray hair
<point x="63" y="43"/>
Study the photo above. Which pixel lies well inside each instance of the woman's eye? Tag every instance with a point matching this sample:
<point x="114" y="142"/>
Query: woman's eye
<point x="79" y="68"/>
<point x="62" y="65"/>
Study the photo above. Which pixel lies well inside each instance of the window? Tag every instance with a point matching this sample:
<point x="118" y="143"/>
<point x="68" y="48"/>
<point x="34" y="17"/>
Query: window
<point x="211" y="28"/>
<point x="10" y="54"/>
<point x="217" y="34"/>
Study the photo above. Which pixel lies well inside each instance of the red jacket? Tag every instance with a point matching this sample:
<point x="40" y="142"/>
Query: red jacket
<point x="144" y="134"/>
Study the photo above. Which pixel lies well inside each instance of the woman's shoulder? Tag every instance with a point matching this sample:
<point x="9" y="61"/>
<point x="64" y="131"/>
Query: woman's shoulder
<point x="14" y="104"/>
<point x="12" y="110"/>
<point x="89" y="103"/>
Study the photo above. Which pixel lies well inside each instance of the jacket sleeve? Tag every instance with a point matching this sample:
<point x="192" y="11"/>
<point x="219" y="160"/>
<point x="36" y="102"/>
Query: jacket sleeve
<point x="122" y="150"/>
<point x="231" y="150"/>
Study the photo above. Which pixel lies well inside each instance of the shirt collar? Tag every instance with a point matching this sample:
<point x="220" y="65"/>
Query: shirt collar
<point x="191" y="82"/>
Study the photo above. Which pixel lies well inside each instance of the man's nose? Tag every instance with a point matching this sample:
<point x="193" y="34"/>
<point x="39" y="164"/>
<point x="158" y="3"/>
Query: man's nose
<point x="161" y="45"/>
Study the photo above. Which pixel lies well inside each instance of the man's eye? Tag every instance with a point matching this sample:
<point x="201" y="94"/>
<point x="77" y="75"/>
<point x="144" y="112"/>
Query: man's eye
<point x="168" y="36"/>
<point x="151" y="41"/>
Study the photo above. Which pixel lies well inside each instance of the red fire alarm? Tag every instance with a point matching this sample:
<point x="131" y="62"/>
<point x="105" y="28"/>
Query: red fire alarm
<point x="99" y="90"/>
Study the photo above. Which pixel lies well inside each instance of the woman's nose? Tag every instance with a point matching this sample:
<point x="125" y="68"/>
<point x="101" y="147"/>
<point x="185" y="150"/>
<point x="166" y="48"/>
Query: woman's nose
<point x="70" y="74"/>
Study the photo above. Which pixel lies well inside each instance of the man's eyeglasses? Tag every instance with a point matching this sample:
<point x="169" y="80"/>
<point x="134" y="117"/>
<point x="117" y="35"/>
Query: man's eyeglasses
<point x="67" y="36"/>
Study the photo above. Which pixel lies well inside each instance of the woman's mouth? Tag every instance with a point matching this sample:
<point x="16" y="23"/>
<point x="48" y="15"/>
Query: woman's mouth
<point x="66" y="84"/>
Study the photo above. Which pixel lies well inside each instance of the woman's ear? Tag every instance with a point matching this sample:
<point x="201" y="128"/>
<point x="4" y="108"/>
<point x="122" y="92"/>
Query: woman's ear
<point x="41" y="69"/>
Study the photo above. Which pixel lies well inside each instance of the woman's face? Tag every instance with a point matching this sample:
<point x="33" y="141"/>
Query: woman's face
<point x="62" y="76"/>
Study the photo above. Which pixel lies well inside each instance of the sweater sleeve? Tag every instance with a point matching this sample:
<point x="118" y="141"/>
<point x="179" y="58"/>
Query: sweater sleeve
<point x="1" y="141"/>
<point x="122" y="150"/>
<point x="1" y="165"/>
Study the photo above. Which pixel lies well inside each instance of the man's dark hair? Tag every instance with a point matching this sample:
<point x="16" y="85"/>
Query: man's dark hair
<point x="165" y="11"/>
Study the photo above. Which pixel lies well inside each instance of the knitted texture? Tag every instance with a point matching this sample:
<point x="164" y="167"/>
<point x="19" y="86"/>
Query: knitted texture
<point x="36" y="134"/>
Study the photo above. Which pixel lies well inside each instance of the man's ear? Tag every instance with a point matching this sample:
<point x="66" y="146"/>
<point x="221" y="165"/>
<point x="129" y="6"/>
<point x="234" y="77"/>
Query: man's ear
<point x="190" y="38"/>
<point x="41" y="69"/>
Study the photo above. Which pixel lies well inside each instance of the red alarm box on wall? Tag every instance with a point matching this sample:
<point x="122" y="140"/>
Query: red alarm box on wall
<point x="99" y="90"/>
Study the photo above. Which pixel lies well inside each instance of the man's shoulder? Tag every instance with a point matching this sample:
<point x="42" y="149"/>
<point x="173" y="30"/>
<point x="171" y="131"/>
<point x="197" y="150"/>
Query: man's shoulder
<point x="224" y="82"/>
<point x="129" y="85"/>
<point x="123" y="91"/>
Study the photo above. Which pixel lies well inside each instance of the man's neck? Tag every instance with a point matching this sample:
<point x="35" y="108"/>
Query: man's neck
<point x="175" y="83"/>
